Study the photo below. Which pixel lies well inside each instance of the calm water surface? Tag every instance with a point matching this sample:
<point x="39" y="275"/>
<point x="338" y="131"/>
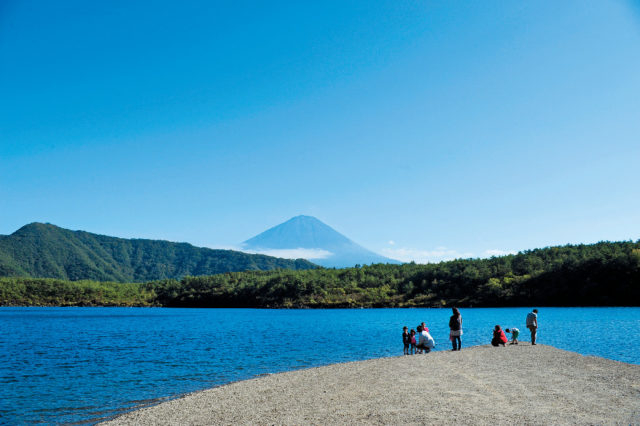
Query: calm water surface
<point x="85" y="364"/>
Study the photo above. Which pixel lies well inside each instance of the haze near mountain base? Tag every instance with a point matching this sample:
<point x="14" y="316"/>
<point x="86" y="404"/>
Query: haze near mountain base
<point x="308" y="238"/>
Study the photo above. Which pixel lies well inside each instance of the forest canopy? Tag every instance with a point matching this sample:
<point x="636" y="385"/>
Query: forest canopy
<point x="602" y="274"/>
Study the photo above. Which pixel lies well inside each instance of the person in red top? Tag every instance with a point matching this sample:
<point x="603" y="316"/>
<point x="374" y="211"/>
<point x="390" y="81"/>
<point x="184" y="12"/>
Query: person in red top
<point x="499" y="338"/>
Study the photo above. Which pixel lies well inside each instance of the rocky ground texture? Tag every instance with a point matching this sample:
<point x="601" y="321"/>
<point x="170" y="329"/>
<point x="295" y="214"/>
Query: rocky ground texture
<point x="520" y="384"/>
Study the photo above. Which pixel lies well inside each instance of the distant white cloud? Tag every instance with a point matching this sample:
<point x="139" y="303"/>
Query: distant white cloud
<point x="297" y="253"/>
<point x="498" y="252"/>
<point x="424" y="256"/>
<point x="403" y="254"/>
<point x="438" y="254"/>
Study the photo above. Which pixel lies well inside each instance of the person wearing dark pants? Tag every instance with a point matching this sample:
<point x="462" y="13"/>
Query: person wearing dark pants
<point x="499" y="338"/>
<point x="532" y="325"/>
<point x="455" y="327"/>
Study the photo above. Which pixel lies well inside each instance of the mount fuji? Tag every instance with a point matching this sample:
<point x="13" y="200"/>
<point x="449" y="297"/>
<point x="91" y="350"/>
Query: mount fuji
<point x="309" y="238"/>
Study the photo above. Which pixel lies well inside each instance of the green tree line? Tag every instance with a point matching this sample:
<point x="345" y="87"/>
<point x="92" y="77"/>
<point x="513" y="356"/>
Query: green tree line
<point x="602" y="274"/>
<point x="25" y="291"/>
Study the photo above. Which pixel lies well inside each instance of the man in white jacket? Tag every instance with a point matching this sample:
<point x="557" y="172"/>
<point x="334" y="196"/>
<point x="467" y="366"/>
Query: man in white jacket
<point x="425" y="341"/>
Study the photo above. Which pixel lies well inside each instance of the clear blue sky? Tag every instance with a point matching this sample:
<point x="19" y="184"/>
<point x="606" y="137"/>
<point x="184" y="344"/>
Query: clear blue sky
<point x="420" y="129"/>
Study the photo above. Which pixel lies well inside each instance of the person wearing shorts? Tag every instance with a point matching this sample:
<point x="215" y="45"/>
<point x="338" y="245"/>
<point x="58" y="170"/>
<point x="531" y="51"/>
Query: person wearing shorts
<point x="514" y="335"/>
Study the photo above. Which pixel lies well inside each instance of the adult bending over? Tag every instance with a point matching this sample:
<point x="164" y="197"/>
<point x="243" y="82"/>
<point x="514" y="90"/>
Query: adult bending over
<point x="425" y="341"/>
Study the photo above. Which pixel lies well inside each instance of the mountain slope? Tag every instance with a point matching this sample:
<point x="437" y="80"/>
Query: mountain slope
<point x="44" y="250"/>
<point x="322" y="244"/>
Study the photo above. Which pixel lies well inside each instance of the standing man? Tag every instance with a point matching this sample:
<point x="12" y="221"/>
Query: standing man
<point x="532" y="324"/>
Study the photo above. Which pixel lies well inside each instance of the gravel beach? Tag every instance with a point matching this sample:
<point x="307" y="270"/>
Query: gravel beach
<point x="520" y="384"/>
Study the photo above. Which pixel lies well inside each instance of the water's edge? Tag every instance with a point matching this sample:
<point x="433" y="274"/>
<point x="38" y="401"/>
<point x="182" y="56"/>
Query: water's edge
<point x="79" y="365"/>
<point x="184" y="395"/>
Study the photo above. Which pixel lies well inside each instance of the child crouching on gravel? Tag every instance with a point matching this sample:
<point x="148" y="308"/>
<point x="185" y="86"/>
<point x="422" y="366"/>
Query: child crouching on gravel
<point x="514" y="335"/>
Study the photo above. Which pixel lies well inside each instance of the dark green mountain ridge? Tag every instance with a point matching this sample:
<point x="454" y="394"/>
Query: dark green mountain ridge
<point x="48" y="251"/>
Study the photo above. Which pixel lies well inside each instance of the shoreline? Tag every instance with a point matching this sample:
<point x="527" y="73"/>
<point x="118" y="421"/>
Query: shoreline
<point x="478" y="385"/>
<point x="318" y="307"/>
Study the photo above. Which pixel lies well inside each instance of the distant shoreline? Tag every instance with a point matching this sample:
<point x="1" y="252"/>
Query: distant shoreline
<point x="602" y="274"/>
<point x="478" y="385"/>
<point x="303" y="308"/>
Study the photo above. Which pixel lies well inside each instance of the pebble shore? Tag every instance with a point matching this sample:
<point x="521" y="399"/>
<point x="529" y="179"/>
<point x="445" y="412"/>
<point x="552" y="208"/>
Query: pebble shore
<point x="517" y="384"/>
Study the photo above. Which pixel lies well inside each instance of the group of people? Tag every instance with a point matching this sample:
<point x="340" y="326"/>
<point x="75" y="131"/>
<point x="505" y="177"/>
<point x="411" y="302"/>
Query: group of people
<point x="422" y="341"/>
<point x="499" y="338"/>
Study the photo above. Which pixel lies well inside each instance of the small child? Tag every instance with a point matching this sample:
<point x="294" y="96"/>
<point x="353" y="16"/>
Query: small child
<point x="514" y="335"/>
<point x="406" y="339"/>
<point x="414" y="343"/>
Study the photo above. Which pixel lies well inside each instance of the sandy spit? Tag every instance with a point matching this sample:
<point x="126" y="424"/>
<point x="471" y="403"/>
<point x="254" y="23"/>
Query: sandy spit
<point x="520" y="384"/>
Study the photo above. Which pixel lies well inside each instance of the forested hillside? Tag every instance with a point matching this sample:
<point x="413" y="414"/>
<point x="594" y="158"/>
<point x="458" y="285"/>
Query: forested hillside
<point x="603" y="274"/>
<point x="47" y="251"/>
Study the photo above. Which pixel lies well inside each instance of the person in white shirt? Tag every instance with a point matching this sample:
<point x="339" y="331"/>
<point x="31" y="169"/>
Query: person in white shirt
<point x="425" y="341"/>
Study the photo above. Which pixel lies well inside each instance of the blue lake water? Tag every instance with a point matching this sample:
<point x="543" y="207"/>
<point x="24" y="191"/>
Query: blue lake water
<point x="86" y="364"/>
